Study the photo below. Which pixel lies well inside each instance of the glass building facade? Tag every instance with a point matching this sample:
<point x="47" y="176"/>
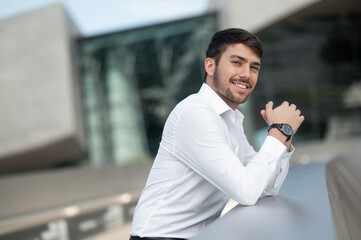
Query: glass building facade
<point x="131" y="80"/>
<point x="314" y="62"/>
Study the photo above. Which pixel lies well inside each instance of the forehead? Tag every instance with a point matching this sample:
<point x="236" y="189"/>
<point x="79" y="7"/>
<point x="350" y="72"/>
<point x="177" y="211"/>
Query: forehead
<point x="241" y="50"/>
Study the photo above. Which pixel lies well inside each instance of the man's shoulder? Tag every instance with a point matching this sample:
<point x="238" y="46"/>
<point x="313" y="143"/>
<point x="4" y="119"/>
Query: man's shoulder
<point x="193" y="111"/>
<point x="193" y="101"/>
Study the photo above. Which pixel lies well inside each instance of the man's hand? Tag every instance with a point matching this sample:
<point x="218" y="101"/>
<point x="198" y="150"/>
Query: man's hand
<point x="285" y="113"/>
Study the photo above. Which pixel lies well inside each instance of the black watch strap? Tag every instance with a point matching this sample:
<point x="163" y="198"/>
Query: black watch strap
<point x="283" y="128"/>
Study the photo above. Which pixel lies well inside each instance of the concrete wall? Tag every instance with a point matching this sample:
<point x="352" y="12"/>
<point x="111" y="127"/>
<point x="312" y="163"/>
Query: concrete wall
<point x="255" y="15"/>
<point x="40" y="121"/>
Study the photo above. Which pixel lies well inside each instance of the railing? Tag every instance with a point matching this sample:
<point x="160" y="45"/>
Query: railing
<point x="344" y="187"/>
<point x="301" y="211"/>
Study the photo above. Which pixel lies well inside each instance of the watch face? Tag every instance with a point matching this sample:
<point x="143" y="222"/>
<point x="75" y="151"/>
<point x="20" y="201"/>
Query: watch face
<point x="287" y="129"/>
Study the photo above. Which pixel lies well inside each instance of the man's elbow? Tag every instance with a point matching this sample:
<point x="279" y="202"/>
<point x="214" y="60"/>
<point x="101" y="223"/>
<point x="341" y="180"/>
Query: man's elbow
<point x="271" y="192"/>
<point x="249" y="194"/>
<point x="248" y="200"/>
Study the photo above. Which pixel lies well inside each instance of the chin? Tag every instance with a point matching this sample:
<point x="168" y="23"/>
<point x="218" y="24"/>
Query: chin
<point x="242" y="100"/>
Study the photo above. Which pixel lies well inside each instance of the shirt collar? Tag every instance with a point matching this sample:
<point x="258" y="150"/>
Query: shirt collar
<point x="216" y="101"/>
<point x="239" y="114"/>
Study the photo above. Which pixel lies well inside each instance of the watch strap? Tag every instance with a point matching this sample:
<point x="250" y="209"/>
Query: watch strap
<point x="279" y="127"/>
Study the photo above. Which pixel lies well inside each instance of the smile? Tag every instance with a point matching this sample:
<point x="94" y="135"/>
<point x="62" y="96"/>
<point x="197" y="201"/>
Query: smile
<point x="240" y="85"/>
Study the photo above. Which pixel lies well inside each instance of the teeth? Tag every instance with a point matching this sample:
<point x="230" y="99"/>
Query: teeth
<point x="241" y="86"/>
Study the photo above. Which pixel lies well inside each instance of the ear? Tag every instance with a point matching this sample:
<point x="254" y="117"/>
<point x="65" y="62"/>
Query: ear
<point x="209" y="66"/>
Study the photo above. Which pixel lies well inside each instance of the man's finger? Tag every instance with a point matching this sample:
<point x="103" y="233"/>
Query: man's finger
<point x="263" y="114"/>
<point x="302" y="118"/>
<point x="269" y="107"/>
<point x="285" y="103"/>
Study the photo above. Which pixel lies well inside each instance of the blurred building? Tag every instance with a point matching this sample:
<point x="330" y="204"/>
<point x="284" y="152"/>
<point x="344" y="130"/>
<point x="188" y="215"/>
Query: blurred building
<point x="39" y="93"/>
<point x="132" y="79"/>
<point x="102" y="101"/>
<point x="312" y="58"/>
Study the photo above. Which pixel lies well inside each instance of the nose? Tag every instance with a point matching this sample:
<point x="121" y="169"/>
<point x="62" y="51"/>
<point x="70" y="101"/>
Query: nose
<point x="245" y="72"/>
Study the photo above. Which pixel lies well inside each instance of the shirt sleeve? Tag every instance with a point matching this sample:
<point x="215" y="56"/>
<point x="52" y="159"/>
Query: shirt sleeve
<point x="201" y="145"/>
<point x="281" y="170"/>
<point x="280" y="174"/>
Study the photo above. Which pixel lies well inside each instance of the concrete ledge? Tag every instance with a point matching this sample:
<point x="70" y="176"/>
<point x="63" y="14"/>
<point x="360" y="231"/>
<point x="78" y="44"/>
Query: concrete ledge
<point x="27" y="201"/>
<point x="301" y="211"/>
<point x="344" y="189"/>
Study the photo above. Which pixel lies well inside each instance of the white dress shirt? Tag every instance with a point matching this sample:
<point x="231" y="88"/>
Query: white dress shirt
<point x="204" y="158"/>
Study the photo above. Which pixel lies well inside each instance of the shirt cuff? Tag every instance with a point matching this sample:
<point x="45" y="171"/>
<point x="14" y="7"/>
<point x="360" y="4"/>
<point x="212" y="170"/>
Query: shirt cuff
<point x="274" y="147"/>
<point x="287" y="155"/>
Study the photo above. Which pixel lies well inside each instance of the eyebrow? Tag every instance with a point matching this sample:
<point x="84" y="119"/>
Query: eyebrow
<point x="245" y="60"/>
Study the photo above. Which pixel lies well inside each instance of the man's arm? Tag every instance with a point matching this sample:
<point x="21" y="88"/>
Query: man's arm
<point x="280" y="173"/>
<point x="201" y="145"/>
<point x="289" y="114"/>
<point x="277" y="179"/>
<point x="285" y="113"/>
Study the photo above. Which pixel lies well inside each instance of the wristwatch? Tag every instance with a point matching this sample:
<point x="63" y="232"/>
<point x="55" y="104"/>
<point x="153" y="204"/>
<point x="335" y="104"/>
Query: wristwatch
<point x="285" y="128"/>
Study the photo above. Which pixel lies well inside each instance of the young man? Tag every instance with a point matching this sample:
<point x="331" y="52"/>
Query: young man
<point x="204" y="157"/>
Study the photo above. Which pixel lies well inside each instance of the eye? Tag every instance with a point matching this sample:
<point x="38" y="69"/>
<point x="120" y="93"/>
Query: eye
<point x="236" y="62"/>
<point x="256" y="68"/>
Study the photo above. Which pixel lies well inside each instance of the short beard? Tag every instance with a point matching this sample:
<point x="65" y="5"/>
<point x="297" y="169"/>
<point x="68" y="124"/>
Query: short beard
<point x="226" y="93"/>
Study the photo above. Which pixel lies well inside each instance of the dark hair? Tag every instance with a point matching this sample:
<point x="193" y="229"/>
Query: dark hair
<point x="222" y="39"/>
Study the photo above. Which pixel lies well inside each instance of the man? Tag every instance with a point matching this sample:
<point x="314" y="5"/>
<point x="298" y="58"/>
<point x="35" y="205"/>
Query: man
<point x="204" y="157"/>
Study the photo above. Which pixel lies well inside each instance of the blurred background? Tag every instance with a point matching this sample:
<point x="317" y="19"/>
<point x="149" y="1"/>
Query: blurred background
<point x="86" y="86"/>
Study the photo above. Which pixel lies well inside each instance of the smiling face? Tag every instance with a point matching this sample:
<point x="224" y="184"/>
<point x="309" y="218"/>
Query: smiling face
<point x="235" y="76"/>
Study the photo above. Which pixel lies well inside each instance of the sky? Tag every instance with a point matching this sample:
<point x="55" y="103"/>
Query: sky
<point x="101" y="16"/>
